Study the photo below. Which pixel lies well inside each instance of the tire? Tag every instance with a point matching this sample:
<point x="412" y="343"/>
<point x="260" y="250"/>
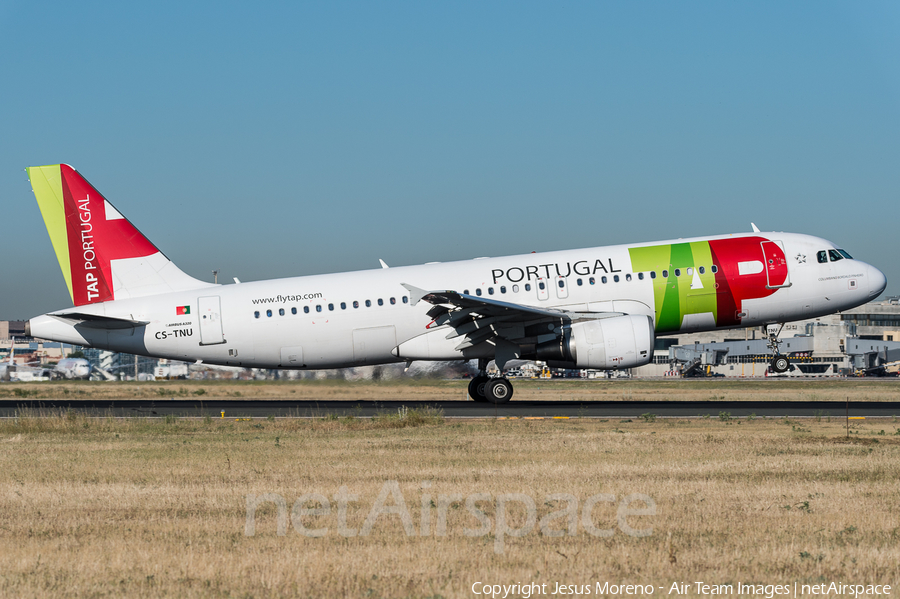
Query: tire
<point x="476" y="388"/>
<point x="780" y="364"/>
<point x="498" y="391"/>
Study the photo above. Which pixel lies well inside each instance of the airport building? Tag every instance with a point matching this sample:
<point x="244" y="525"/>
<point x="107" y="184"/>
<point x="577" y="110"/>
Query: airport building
<point x="865" y="339"/>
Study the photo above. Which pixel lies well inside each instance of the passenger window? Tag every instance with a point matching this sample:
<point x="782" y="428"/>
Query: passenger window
<point x="603" y="280"/>
<point x="393" y="301"/>
<point x="306" y="309"/>
<point x="478" y="292"/>
<point x="702" y="270"/>
<point x="490" y="291"/>
<point x="715" y="269"/>
<point x="665" y="274"/>
<point x="380" y="302"/>
<point x="616" y="278"/>
<point x="405" y="299"/>
<point x="652" y="274"/>
<point x="331" y="307"/>
<point x="281" y="312"/>
<point x="502" y="289"/>
<point x="515" y="289"/>
<point x="466" y="292"/>
<point x="822" y="257"/>
<point x="845" y="255"/>
<point x="318" y="308"/>
<point x="592" y="281"/>
<point x="527" y="286"/>
<point x="562" y="283"/>
<point x="541" y="286"/>
<point x="269" y="313"/>
<point x="578" y="282"/>
<point x="641" y="276"/>
<point x="628" y="277"/>
<point x="689" y="271"/>
<point x="256" y="314"/>
<point x="355" y="304"/>
<point x="834" y="255"/>
<point x="293" y="310"/>
<point x="343" y="305"/>
<point x="368" y="303"/>
<point x="677" y="272"/>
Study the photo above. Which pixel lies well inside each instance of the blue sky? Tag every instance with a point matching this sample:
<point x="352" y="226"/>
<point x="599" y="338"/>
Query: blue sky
<point x="297" y="138"/>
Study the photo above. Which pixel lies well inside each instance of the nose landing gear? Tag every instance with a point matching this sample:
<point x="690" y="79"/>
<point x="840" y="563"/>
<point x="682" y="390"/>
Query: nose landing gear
<point x="484" y="389"/>
<point x="779" y="362"/>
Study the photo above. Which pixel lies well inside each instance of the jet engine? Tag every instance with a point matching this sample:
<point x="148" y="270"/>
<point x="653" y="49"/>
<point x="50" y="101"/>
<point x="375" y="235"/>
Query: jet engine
<point x="608" y="343"/>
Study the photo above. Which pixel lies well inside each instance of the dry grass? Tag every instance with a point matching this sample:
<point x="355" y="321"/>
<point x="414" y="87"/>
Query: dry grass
<point x="412" y="389"/>
<point x="110" y="508"/>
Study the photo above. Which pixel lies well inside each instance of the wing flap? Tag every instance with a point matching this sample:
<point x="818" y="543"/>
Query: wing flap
<point x="507" y="326"/>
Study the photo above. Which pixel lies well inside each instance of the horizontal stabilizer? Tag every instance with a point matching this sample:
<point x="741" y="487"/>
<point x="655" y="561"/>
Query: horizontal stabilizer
<point x="97" y="321"/>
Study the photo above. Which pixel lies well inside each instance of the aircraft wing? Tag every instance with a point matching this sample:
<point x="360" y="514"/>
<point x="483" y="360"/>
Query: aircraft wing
<point x="505" y="325"/>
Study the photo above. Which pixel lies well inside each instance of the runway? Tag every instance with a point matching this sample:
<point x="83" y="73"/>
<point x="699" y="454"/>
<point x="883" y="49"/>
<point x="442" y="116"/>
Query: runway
<point x="452" y="409"/>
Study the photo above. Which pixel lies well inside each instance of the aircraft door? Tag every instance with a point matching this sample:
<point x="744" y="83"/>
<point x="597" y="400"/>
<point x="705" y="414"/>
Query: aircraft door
<point x="562" y="287"/>
<point x="542" y="288"/>
<point x="775" y="261"/>
<point x="210" y="321"/>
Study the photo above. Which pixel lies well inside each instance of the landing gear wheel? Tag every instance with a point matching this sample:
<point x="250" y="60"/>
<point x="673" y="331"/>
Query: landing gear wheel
<point x="476" y="388"/>
<point x="498" y="391"/>
<point x="780" y="364"/>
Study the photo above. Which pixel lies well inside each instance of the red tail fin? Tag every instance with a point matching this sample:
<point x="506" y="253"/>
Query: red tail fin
<point x="102" y="255"/>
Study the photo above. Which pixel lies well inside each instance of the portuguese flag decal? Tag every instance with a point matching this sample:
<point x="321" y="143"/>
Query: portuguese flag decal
<point x="179" y="310"/>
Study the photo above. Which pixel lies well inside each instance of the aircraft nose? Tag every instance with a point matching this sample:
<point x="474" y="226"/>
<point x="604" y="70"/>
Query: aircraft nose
<point x="877" y="282"/>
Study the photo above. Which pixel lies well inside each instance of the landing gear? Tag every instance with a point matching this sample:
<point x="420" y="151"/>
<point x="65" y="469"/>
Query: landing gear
<point x="779" y="363"/>
<point x="498" y="391"/>
<point x="476" y="387"/>
<point x="484" y="389"/>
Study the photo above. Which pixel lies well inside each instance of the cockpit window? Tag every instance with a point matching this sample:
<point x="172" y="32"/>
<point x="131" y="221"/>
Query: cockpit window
<point x="846" y="255"/>
<point x="822" y="257"/>
<point x="834" y="255"/>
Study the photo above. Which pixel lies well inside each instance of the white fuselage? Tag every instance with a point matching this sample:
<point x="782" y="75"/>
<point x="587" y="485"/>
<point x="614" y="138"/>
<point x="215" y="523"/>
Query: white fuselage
<point x="357" y="318"/>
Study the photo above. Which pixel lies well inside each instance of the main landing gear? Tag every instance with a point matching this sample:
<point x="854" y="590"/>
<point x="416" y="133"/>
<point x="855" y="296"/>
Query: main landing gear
<point x="483" y="388"/>
<point x="779" y="362"/>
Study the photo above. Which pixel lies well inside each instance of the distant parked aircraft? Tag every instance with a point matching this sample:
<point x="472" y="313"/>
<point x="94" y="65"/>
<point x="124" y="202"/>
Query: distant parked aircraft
<point x="72" y="368"/>
<point x="21" y="373"/>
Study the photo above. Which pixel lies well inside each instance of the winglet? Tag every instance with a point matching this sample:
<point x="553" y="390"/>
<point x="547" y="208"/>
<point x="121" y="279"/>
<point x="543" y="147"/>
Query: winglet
<point x="755" y="228"/>
<point x="415" y="294"/>
<point x="383" y="264"/>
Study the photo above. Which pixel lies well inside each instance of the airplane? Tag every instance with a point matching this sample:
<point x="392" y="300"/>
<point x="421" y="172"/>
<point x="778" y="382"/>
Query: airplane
<point x="72" y="368"/>
<point x="599" y="308"/>
<point x="21" y="373"/>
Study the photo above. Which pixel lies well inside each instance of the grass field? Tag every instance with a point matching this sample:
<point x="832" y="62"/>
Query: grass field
<point x="445" y="390"/>
<point x="110" y="508"/>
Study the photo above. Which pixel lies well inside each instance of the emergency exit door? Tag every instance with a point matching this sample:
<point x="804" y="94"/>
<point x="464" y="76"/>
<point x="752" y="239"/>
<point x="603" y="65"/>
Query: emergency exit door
<point x="776" y="265"/>
<point x="210" y="316"/>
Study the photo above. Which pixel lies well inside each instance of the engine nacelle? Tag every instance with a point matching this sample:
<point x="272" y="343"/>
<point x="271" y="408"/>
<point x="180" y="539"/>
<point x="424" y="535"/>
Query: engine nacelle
<point x="617" y="342"/>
